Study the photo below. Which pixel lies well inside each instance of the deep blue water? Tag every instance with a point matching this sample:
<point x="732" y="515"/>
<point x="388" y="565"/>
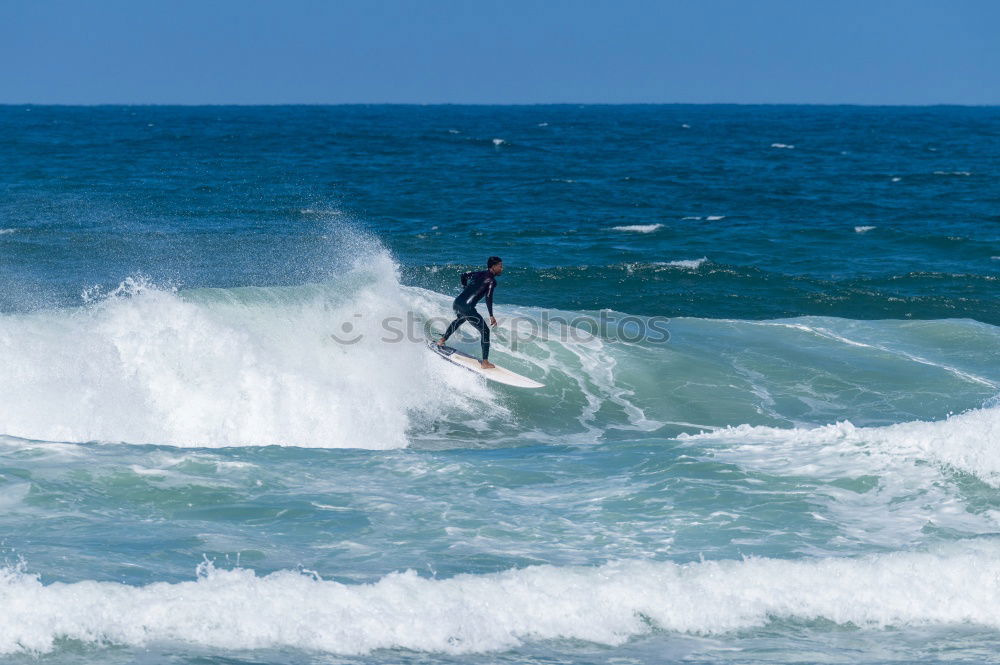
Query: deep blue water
<point x="230" y="196"/>
<point x="195" y="466"/>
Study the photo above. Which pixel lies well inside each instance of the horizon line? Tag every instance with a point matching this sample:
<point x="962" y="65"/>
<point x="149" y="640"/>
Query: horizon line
<point x="505" y="104"/>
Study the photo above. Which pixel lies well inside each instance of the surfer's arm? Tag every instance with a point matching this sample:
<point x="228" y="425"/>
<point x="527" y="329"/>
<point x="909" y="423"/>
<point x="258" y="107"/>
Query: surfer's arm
<point x="465" y="278"/>
<point x="489" y="299"/>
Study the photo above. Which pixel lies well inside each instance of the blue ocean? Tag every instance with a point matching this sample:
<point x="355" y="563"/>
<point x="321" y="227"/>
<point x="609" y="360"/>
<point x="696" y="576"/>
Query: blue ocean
<point x="769" y="430"/>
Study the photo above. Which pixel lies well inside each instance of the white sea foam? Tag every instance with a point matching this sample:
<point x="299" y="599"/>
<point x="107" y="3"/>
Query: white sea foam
<point x="238" y="367"/>
<point x="691" y="218"/>
<point x="909" y="466"/>
<point x="784" y="146"/>
<point x="638" y="228"/>
<point x="714" y="218"/>
<point x="498" y="142"/>
<point x="236" y="609"/>
<point x="6" y="231"/>
<point x="962" y="173"/>
<point x="896" y="179"/>
<point x="968" y="442"/>
<point x="864" y="229"/>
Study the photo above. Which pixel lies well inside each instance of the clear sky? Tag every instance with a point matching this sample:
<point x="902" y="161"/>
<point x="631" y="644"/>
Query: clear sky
<point x="499" y="52"/>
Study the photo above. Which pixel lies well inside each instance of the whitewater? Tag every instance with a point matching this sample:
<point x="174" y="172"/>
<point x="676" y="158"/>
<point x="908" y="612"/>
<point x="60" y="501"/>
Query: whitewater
<point x="235" y="609"/>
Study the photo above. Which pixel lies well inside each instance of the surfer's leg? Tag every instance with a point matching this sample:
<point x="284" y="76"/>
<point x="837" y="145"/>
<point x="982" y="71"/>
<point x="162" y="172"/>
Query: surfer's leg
<point x="484" y="332"/>
<point x="451" y="329"/>
<point x="462" y="317"/>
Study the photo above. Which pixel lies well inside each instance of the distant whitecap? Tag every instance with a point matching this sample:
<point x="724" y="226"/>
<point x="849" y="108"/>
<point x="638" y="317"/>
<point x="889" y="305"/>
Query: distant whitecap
<point x="454" y="131"/>
<point x="714" y="218"/>
<point x="498" y="142"/>
<point x="6" y="231"/>
<point x="785" y="146"/>
<point x="543" y="124"/>
<point x="691" y="218"/>
<point x="638" y="228"/>
<point x="691" y="264"/>
<point x="896" y="179"/>
<point x="863" y="229"/>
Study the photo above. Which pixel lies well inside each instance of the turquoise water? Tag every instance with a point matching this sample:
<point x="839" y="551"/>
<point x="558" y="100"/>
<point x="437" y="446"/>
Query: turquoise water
<point x="769" y="429"/>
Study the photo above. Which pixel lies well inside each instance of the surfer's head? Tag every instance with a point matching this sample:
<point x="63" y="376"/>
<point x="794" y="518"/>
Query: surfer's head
<point x="495" y="264"/>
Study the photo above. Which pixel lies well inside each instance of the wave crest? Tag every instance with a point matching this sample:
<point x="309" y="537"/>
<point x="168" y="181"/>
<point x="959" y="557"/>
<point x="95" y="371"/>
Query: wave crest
<point x="218" y="367"/>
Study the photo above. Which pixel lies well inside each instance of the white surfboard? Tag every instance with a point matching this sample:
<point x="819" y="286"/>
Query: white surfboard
<point x="498" y="374"/>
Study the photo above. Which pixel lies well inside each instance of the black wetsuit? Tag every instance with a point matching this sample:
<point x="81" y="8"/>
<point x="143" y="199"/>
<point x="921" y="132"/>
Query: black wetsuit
<point x="477" y="285"/>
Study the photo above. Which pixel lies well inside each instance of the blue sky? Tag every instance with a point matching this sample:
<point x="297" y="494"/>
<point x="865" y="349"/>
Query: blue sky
<point x="437" y="51"/>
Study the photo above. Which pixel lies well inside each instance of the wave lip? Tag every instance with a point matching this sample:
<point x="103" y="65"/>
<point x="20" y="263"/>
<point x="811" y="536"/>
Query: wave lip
<point x="236" y="609"/>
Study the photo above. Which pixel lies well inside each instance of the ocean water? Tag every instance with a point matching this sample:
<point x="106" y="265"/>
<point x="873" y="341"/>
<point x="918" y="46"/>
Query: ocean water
<point x="770" y="431"/>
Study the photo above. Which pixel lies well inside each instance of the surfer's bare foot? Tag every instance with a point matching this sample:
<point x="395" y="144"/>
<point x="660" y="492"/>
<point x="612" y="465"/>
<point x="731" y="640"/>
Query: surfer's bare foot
<point x="486" y="364"/>
<point x="440" y="342"/>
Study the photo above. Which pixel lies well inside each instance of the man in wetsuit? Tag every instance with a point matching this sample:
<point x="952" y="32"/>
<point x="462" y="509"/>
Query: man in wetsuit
<point x="477" y="285"/>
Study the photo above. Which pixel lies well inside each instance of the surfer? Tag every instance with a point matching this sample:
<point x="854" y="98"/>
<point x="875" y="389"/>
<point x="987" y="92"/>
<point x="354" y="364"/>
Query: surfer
<point x="477" y="285"/>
